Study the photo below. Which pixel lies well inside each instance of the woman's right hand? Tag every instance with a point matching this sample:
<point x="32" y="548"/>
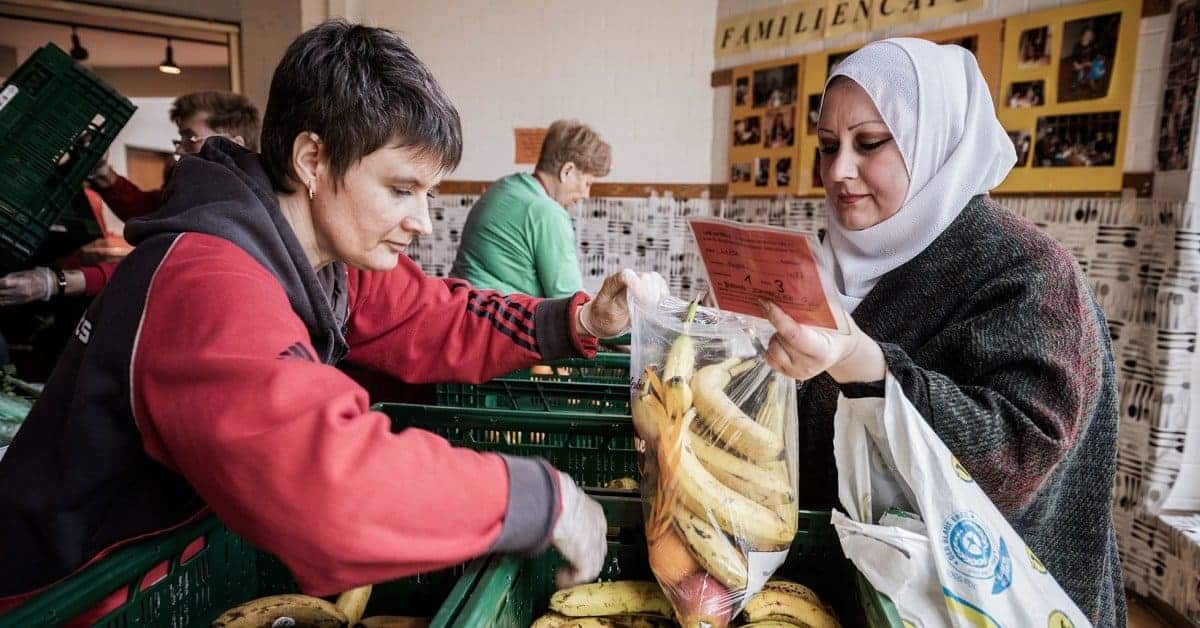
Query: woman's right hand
<point x="25" y="286"/>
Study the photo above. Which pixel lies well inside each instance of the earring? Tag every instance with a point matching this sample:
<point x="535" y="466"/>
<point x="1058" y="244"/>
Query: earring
<point x="311" y="192"/>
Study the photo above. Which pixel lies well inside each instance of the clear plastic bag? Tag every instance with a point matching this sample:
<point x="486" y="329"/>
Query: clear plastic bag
<point x="717" y="441"/>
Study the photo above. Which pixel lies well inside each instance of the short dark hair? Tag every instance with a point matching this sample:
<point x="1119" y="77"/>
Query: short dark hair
<point x="228" y="113"/>
<point x="358" y="88"/>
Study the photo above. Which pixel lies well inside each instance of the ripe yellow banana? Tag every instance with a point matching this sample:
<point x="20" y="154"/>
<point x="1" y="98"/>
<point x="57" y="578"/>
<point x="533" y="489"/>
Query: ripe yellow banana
<point x="305" y="610"/>
<point x="550" y="620"/>
<point x="712" y="549"/>
<point x="623" y="483"/>
<point x="727" y="421"/>
<point x="678" y="397"/>
<point x="681" y="359"/>
<point x="393" y="621"/>
<point x="353" y="603"/>
<point x="786" y="607"/>
<point x="599" y="599"/>
<point x="763" y="484"/>
<point x="757" y="525"/>
<point x="793" y="588"/>
<point x="649" y="416"/>
<point x="617" y="621"/>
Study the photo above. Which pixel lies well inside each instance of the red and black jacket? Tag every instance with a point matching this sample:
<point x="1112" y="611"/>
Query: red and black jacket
<point x="202" y="377"/>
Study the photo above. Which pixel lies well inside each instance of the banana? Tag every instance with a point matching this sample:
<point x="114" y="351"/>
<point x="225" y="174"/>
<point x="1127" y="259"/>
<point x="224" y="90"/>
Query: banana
<point x="624" y="597"/>
<point x="681" y="359"/>
<point x="648" y="416"/>
<point x="623" y="483"/>
<point x="304" y="610"/>
<point x="793" y="588"/>
<point x="617" y="621"/>
<point x="759" y="483"/>
<point x="712" y="550"/>
<point x="393" y="621"/>
<point x="786" y="607"/>
<point x="550" y="620"/>
<point x="352" y="603"/>
<point x="757" y="525"/>
<point x="727" y="421"/>
<point x="770" y="623"/>
<point x="678" y="397"/>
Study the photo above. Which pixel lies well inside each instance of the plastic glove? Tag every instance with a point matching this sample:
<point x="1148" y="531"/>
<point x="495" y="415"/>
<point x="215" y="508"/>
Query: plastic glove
<point x="102" y="175"/>
<point x="24" y="286"/>
<point x="607" y="315"/>
<point x="803" y="352"/>
<point x="579" y="535"/>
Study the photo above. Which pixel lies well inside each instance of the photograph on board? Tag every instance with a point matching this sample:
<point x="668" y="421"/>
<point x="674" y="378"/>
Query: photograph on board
<point x="775" y="87"/>
<point x="1088" y="50"/>
<point x="783" y="172"/>
<point x="779" y="127"/>
<point x="1033" y="47"/>
<point x="1077" y="140"/>
<point x="747" y="131"/>
<point x="1025" y="94"/>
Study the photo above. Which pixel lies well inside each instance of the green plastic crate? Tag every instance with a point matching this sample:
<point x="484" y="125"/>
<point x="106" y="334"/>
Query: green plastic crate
<point x="513" y="591"/>
<point x="226" y="572"/>
<point x="592" y="448"/>
<point x="532" y="394"/>
<point x="56" y="120"/>
<point x="600" y="385"/>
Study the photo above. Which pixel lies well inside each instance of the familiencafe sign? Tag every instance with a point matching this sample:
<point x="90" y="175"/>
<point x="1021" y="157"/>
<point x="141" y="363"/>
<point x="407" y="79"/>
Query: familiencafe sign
<point x="819" y="19"/>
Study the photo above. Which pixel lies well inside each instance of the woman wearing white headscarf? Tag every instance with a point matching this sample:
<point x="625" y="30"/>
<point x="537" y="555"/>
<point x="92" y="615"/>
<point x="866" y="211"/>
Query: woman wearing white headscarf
<point x="987" y="323"/>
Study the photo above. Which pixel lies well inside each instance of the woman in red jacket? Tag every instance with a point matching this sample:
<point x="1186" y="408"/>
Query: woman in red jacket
<point x="202" y="377"/>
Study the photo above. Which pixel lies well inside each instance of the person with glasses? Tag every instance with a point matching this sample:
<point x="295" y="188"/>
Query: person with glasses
<point x="199" y="116"/>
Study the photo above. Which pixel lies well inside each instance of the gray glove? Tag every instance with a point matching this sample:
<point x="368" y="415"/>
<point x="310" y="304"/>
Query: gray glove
<point x="24" y="286"/>
<point x="579" y="535"/>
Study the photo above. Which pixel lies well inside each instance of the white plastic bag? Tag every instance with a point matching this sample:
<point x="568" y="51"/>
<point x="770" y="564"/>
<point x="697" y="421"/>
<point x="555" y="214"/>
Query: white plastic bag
<point x="717" y="442"/>
<point x="961" y="563"/>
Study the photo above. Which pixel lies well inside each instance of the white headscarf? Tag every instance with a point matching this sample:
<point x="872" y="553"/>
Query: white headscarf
<point x="939" y="109"/>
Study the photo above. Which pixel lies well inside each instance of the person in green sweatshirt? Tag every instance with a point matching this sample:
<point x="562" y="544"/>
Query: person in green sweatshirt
<point x="518" y="236"/>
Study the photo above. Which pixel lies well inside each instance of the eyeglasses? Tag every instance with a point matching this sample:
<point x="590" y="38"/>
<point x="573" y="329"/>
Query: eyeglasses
<point x="190" y="144"/>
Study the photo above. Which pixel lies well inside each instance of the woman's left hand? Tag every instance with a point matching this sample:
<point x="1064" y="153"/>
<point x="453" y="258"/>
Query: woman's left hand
<point x="802" y="352"/>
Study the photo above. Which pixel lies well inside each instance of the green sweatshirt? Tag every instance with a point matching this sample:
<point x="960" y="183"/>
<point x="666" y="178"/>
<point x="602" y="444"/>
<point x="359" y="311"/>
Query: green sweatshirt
<point x="518" y="239"/>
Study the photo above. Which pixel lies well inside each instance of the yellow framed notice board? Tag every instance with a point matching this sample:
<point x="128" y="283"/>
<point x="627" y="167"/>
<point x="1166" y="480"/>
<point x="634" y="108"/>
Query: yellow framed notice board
<point x="1064" y="98"/>
<point x="755" y="163"/>
<point x="1060" y="80"/>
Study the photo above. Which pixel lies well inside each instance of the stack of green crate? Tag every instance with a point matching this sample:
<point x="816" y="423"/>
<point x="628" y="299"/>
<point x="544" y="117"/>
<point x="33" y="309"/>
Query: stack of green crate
<point x="56" y="120"/>
<point x="190" y="576"/>
<point x="599" y="385"/>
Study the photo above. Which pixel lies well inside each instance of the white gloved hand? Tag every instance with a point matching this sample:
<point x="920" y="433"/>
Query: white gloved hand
<point x="607" y="314"/>
<point x="24" y="286"/>
<point x="579" y="535"/>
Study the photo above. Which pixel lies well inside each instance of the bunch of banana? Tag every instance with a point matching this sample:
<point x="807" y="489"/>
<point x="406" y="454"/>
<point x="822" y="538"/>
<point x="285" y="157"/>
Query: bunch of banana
<point x="277" y="611"/>
<point x="786" y="603"/>
<point x="723" y="486"/>
<point x="621" y="604"/>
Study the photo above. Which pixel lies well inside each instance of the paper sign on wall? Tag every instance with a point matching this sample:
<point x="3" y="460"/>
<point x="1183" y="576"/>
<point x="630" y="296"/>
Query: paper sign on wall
<point x="746" y="263"/>
<point x="528" y="143"/>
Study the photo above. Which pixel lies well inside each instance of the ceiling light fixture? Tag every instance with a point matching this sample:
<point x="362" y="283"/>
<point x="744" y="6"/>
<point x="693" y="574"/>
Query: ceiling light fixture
<point x="168" y="65"/>
<point x="78" y="52"/>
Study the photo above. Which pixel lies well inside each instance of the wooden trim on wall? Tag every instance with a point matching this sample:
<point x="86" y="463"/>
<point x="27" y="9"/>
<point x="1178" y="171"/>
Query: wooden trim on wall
<point x="722" y="78"/>
<point x="612" y="189"/>
<point x="1151" y="8"/>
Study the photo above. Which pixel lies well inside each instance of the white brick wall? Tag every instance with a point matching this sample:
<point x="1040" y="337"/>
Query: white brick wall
<point x="637" y="71"/>
<point x="1147" y="87"/>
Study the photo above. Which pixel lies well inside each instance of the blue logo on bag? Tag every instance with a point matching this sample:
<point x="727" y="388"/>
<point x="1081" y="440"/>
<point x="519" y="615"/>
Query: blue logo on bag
<point x="968" y="546"/>
<point x="1003" y="570"/>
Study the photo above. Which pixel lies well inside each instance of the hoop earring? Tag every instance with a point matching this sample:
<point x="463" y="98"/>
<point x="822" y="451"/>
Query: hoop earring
<point x="311" y="192"/>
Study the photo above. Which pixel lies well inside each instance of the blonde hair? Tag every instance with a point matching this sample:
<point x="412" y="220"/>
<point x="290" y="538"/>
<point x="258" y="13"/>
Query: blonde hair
<point x="575" y="142"/>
